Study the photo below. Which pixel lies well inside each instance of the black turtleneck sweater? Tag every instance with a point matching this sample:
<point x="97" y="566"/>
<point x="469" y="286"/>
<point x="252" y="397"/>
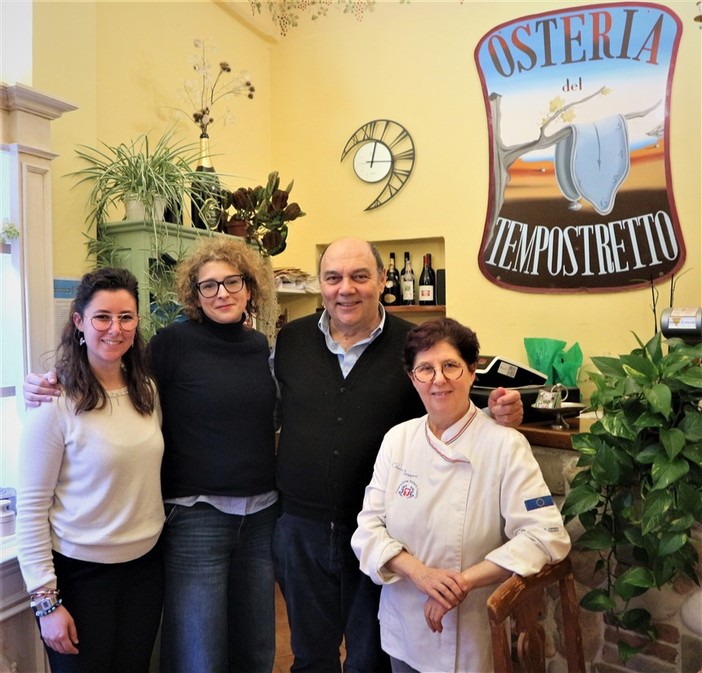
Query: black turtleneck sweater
<point x="218" y="398"/>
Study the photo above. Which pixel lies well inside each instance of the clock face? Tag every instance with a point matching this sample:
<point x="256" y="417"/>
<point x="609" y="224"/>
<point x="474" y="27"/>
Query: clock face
<point x="373" y="161"/>
<point x="385" y="152"/>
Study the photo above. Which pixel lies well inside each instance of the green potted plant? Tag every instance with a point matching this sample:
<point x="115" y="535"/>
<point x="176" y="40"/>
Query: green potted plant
<point x="639" y="493"/>
<point x="261" y="214"/>
<point x="155" y="175"/>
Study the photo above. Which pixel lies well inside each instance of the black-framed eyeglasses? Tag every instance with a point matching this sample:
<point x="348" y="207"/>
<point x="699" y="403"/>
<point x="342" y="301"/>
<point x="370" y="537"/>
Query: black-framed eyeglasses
<point x="210" y="288"/>
<point x="101" y="322"/>
<point x="426" y="373"/>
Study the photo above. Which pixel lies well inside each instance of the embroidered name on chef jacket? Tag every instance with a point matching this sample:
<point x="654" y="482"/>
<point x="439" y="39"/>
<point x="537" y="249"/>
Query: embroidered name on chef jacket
<point x="538" y="503"/>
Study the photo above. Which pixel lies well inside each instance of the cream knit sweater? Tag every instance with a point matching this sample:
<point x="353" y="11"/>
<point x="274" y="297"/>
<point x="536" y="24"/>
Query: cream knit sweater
<point x="89" y="485"/>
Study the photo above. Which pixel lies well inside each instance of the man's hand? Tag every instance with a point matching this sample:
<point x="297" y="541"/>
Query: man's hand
<point x="38" y="389"/>
<point x="506" y="407"/>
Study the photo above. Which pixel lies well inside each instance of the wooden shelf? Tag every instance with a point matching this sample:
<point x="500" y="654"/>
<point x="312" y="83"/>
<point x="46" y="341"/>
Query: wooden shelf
<point x="416" y="309"/>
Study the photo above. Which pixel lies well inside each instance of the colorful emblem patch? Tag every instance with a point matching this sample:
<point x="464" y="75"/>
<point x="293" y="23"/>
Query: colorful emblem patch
<point x="407" y="489"/>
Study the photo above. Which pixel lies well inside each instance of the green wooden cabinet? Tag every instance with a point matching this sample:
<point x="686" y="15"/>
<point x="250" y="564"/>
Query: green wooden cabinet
<point x="139" y="244"/>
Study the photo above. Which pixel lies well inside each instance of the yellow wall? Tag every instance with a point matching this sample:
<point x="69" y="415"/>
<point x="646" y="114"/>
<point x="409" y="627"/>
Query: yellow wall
<point x="122" y="63"/>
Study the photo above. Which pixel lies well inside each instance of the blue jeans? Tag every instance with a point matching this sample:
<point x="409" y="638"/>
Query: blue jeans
<point x="327" y="598"/>
<point x="219" y="604"/>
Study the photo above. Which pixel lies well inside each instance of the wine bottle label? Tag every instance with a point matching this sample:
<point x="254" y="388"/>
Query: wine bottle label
<point x="426" y="293"/>
<point x="407" y="290"/>
<point x="210" y="213"/>
<point x="389" y="298"/>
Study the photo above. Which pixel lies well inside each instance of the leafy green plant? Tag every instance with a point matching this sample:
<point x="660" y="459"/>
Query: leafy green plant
<point x="139" y="169"/>
<point x="640" y="490"/>
<point x="266" y="212"/>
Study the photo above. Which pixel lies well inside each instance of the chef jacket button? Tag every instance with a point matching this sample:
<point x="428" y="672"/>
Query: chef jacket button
<point x="339" y="420"/>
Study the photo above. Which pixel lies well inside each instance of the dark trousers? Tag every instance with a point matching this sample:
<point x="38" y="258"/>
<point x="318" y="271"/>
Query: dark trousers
<point x="116" y="608"/>
<point x="327" y="598"/>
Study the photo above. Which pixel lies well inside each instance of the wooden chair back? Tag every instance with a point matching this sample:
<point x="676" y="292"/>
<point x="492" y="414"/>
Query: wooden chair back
<point x="520" y="600"/>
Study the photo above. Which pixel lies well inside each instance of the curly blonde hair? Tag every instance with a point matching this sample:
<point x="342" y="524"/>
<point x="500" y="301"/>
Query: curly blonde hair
<point x="259" y="279"/>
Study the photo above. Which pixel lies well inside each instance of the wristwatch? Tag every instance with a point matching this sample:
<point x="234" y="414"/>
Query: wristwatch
<point x="44" y="604"/>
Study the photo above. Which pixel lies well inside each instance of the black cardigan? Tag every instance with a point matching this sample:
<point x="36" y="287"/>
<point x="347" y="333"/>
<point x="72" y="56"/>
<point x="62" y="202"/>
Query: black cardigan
<point x="332" y="427"/>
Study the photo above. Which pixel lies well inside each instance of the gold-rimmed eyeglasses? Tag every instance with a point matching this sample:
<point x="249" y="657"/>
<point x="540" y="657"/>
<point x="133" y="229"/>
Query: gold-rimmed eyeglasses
<point x="210" y="288"/>
<point x="101" y="322"/>
<point x="426" y="373"/>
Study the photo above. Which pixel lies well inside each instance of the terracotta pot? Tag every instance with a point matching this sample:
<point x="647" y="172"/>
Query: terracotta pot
<point x="237" y="228"/>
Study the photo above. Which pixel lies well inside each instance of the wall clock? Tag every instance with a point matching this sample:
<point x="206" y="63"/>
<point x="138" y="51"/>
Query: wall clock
<point x="385" y="152"/>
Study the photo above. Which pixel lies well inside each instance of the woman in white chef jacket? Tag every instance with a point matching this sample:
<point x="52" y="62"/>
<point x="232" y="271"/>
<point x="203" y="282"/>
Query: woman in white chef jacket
<point x="456" y="505"/>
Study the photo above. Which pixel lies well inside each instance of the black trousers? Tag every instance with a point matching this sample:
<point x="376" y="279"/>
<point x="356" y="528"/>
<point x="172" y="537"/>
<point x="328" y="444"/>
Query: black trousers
<point x="117" y="611"/>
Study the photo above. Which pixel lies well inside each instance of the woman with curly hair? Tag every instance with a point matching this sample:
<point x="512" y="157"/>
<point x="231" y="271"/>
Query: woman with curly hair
<point x="89" y="500"/>
<point x="218" y="480"/>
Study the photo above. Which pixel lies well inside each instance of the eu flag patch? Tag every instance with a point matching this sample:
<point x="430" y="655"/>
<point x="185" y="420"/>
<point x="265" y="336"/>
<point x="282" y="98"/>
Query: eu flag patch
<point x="538" y="503"/>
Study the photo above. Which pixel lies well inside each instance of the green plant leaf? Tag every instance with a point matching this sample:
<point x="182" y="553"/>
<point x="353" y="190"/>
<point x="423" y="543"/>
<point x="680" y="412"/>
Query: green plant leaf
<point x="660" y="399"/>
<point x="637" y="619"/>
<point x="653" y="347"/>
<point x="634" y="582"/>
<point x="609" y="366"/>
<point x="596" y="539"/>
<point x="649" y="419"/>
<point x="689" y="498"/>
<point x="654" y="510"/>
<point x="605" y="468"/>
<point x="691" y="425"/>
<point x="585" y="442"/>
<point x="671" y="542"/>
<point x="597" y="600"/>
<point x="626" y="651"/>
<point x="618" y="426"/>
<point x="666" y="471"/>
<point x="681" y="523"/>
<point x="693" y="452"/>
<point x="639" y="368"/>
<point x="580" y="499"/>
<point x="691" y="377"/>
<point x="648" y="454"/>
<point x="673" y="440"/>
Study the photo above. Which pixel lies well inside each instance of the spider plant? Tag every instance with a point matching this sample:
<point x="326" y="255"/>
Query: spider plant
<point x="142" y="170"/>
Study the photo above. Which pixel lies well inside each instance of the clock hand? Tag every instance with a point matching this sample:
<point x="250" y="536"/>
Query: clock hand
<point x="375" y="145"/>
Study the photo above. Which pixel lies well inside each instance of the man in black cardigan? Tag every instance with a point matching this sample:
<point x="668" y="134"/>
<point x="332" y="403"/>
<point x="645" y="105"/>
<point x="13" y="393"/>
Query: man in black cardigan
<point x="343" y="386"/>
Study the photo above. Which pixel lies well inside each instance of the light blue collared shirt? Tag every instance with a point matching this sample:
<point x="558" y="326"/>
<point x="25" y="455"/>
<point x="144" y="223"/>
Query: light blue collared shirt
<point x="348" y="358"/>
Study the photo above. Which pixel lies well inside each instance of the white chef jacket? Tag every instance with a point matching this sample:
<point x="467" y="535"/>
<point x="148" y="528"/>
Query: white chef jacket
<point x="476" y="494"/>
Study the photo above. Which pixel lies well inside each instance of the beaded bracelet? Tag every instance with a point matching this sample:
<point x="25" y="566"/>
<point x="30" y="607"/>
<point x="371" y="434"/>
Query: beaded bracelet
<point x="48" y="611"/>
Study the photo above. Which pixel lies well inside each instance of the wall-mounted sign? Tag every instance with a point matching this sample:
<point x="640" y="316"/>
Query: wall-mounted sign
<point x="578" y="114"/>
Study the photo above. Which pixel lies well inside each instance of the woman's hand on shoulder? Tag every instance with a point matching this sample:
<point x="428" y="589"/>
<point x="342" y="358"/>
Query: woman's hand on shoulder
<point x="58" y="631"/>
<point x="38" y="389"/>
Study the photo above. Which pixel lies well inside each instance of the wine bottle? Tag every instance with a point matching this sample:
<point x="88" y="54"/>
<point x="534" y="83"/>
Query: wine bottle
<point x="206" y="195"/>
<point x="392" y="293"/>
<point x="407" y="282"/>
<point x="427" y="284"/>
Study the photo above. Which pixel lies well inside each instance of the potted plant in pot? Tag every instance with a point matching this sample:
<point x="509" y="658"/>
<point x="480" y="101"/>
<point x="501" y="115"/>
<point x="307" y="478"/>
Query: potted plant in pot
<point x="261" y="214"/>
<point x="639" y="494"/>
<point x="154" y="174"/>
